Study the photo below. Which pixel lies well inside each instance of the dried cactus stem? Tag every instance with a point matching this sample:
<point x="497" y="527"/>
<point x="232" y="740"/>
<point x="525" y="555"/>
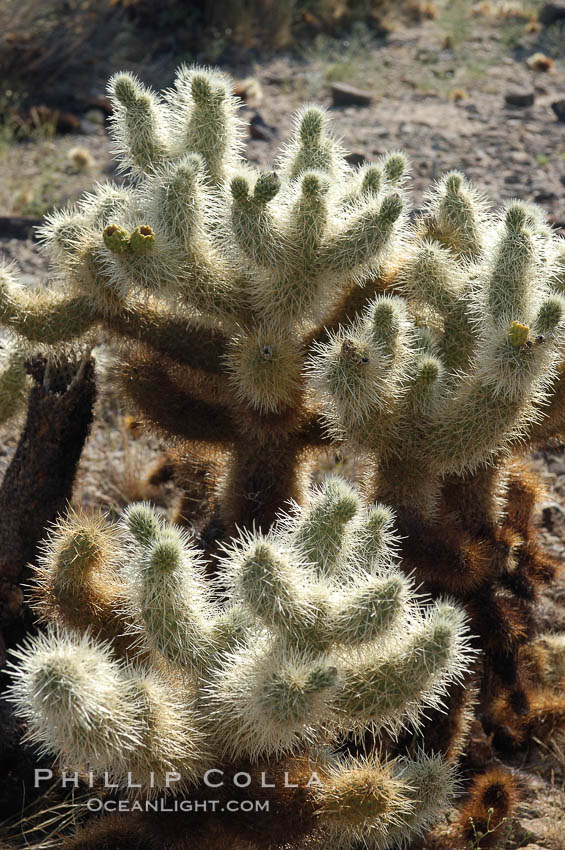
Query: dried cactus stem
<point x="36" y="487"/>
<point x="38" y="483"/>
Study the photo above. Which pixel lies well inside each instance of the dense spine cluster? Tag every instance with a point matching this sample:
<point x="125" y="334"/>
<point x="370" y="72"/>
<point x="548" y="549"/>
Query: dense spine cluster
<point x="214" y="279"/>
<point x="440" y="382"/>
<point x="320" y="639"/>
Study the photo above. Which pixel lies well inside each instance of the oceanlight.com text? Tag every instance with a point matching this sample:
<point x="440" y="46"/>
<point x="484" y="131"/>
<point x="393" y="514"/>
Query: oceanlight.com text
<point x="95" y="804"/>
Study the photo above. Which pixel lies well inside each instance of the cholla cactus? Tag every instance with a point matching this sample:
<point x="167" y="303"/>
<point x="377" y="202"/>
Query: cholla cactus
<point x="457" y="365"/>
<point x="260" y="316"/>
<point x="223" y="278"/>
<point x="435" y="348"/>
<point x="320" y="636"/>
<point x="218" y="276"/>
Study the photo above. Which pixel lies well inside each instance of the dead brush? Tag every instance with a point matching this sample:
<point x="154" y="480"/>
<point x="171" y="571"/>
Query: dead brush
<point x="115" y="468"/>
<point x="43" y="823"/>
<point x="42" y="42"/>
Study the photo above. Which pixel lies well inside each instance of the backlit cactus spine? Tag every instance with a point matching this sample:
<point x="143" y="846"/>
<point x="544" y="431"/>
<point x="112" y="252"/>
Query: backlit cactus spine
<point x="215" y="278"/>
<point x="457" y="366"/>
<point x="320" y="636"/>
<point x="457" y="370"/>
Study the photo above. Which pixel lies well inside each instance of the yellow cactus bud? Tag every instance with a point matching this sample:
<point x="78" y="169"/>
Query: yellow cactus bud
<point x="142" y="239"/>
<point x="518" y="334"/>
<point x="116" y="238"/>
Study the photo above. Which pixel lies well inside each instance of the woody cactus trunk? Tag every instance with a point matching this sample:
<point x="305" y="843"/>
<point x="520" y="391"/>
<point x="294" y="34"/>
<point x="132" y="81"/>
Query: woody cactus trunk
<point x="58" y="397"/>
<point x="258" y="318"/>
<point x="37" y="484"/>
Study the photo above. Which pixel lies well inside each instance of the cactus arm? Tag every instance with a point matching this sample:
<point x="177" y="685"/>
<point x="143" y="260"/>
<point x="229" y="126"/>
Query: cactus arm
<point x="172" y="735"/>
<point x="374" y="543"/>
<point x="433" y="276"/>
<point x="366" y="613"/>
<point x="90" y="715"/>
<point x="385" y="690"/>
<point x="423" y="394"/>
<point x="508" y="289"/>
<point x="312" y="148"/>
<point x="76" y="582"/>
<point x="301" y="288"/>
<point x="266" y="701"/>
<point x="271" y="584"/>
<point x="254" y="227"/>
<point x="456" y="218"/>
<point x="126" y="721"/>
<point x="170" y="600"/>
<point x="151" y="260"/>
<point x="360" y="801"/>
<point x="209" y="288"/>
<point x="498" y="400"/>
<point x="431" y="781"/>
<point x="309" y="221"/>
<point x="459" y="218"/>
<point x="320" y="530"/>
<point x="43" y="318"/>
<point x="178" y="338"/>
<point x="403" y="475"/>
<point x="138" y="124"/>
<point x="184" y="415"/>
<point x="290" y="250"/>
<point x="363" y="238"/>
<point x="360" y="372"/>
<point x="204" y="120"/>
<point x="365" y="802"/>
<point x="459" y="341"/>
<point x="179" y="200"/>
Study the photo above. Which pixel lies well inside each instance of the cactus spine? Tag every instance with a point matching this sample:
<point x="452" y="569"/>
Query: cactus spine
<point x="305" y="650"/>
<point x="217" y="276"/>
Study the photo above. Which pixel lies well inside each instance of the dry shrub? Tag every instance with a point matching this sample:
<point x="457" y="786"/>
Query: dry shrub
<point x="50" y="45"/>
<point x="540" y="62"/>
<point x="52" y="51"/>
<point x="262" y="24"/>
